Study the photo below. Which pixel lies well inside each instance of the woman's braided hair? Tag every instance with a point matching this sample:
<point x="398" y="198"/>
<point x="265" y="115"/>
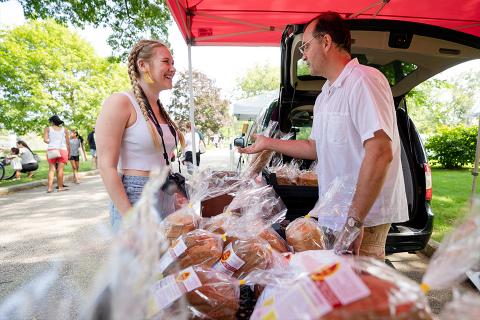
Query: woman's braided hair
<point x="144" y="49"/>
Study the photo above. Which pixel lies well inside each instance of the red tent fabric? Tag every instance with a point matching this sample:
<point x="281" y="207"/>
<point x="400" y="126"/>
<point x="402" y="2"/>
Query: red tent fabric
<point x="261" y="22"/>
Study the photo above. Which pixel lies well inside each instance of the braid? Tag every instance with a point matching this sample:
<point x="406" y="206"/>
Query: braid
<point x="134" y="74"/>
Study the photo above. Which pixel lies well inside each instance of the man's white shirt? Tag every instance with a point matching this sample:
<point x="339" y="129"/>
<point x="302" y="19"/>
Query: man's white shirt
<point x="346" y="114"/>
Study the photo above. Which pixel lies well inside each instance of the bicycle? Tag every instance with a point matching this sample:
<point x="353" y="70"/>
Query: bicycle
<point x="6" y="170"/>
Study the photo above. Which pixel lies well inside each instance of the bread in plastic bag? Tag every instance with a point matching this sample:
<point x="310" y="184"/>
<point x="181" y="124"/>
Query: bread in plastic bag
<point x="322" y="285"/>
<point x="303" y="234"/>
<point x="209" y="294"/>
<point x="274" y="240"/>
<point x="197" y="247"/>
<point x="179" y="223"/>
<point x="242" y="256"/>
<point x="308" y="179"/>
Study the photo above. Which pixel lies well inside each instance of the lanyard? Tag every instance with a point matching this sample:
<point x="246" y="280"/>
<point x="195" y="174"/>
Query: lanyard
<point x="152" y="117"/>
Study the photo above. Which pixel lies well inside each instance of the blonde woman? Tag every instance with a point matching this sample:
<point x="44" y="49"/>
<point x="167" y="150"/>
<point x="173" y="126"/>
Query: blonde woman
<point x="128" y="130"/>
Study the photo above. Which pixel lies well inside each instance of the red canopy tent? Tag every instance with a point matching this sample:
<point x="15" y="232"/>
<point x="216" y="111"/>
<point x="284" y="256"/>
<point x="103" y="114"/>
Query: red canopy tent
<point x="261" y="23"/>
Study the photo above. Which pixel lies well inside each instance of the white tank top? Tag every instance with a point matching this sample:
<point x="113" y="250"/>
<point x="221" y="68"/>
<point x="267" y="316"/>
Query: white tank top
<point x="137" y="151"/>
<point x="56" y="139"/>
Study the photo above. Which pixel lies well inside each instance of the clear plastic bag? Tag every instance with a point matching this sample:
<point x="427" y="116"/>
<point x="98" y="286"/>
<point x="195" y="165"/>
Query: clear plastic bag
<point x="320" y="284"/>
<point x="209" y="294"/>
<point x="134" y="255"/>
<point x="464" y="306"/>
<point x="458" y="253"/>
<point x="304" y="234"/>
<point x="197" y="247"/>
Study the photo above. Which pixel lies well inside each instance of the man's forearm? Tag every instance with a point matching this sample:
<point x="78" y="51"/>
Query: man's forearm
<point x="300" y="149"/>
<point x="369" y="184"/>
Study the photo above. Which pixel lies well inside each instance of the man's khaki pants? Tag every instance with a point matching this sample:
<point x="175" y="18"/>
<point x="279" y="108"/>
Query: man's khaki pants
<point x="373" y="243"/>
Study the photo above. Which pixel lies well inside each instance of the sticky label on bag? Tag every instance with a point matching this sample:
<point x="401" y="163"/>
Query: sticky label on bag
<point x="330" y="286"/>
<point x="168" y="257"/>
<point x="230" y="262"/>
<point x="171" y="288"/>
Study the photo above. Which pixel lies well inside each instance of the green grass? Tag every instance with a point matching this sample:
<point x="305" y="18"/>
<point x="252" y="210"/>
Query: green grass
<point x="42" y="172"/>
<point x="450" y="202"/>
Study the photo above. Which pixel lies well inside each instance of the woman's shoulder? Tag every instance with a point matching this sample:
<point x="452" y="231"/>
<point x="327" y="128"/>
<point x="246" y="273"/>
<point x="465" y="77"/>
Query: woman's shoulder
<point x="119" y="98"/>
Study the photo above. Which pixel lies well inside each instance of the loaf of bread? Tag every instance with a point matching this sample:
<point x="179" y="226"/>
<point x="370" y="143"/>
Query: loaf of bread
<point x="197" y="247"/>
<point x="217" y="225"/>
<point x="242" y="256"/>
<point x="207" y="293"/>
<point x="217" y="297"/>
<point x="303" y="234"/>
<point x="274" y="240"/>
<point x="257" y="165"/>
<point x="307" y="178"/>
<point x="378" y="305"/>
<point x="286" y="176"/>
<point x="179" y="223"/>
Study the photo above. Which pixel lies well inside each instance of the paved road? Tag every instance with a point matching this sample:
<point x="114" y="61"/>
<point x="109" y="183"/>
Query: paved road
<point x="38" y="229"/>
<point x="71" y="227"/>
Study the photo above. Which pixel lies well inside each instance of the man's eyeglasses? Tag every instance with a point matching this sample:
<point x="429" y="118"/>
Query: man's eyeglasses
<point x="306" y="45"/>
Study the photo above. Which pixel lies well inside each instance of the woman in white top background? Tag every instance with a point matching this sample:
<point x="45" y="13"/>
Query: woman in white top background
<point x="57" y="151"/>
<point x="128" y="142"/>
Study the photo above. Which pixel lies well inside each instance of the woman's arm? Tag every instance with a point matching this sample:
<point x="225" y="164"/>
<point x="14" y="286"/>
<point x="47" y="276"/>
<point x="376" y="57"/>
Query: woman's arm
<point x="46" y="139"/>
<point x="109" y="129"/>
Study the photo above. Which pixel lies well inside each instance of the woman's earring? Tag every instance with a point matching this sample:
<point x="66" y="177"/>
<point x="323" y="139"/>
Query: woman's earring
<point x="148" y="79"/>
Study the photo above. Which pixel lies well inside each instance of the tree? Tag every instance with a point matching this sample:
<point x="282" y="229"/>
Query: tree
<point x="436" y="102"/>
<point x="258" y="79"/>
<point x="211" y="111"/>
<point x="47" y="69"/>
<point x="129" y="20"/>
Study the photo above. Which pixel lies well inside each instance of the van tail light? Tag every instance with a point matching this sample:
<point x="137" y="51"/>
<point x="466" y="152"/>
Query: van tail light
<point x="428" y="182"/>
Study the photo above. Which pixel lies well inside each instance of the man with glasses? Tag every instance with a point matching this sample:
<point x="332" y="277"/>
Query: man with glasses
<point x="354" y="134"/>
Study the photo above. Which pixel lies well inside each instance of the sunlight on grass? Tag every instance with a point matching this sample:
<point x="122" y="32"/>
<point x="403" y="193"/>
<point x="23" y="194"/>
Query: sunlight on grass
<point x="450" y="202"/>
<point x="42" y="171"/>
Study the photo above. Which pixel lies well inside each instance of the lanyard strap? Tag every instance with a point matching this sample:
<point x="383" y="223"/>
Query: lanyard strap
<point x="153" y="118"/>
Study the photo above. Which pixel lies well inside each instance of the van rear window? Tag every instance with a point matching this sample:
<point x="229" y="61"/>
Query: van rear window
<point x="395" y="71"/>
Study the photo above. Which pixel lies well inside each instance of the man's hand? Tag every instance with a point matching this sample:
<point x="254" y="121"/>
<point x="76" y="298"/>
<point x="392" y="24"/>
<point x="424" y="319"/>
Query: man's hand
<point x="261" y="143"/>
<point x="349" y="240"/>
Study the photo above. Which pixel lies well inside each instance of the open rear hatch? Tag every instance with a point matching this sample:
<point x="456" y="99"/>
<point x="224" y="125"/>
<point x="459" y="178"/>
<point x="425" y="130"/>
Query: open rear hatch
<point x="407" y="54"/>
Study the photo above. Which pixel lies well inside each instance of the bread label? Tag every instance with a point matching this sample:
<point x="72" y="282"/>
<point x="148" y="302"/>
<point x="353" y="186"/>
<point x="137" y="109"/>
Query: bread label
<point x="179" y="248"/>
<point x="169" y="256"/>
<point x="171" y="288"/>
<point x="330" y="286"/>
<point x="230" y="262"/>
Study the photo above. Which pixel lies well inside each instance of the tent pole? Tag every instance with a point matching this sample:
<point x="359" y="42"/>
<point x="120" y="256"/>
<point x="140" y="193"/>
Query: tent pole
<point x="475" y="166"/>
<point x="192" y="107"/>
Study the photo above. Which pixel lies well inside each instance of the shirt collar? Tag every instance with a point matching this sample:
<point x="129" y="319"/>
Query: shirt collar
<point x="344" y="74"/>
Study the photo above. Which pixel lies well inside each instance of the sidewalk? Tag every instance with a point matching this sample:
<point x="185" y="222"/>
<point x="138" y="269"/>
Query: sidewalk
<point x="43" y="182"/>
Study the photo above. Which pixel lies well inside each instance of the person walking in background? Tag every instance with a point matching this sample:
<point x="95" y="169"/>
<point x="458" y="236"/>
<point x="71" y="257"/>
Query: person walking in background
<point x="29" y="163"/>
<point x="135" y="134"/>
<point x="76" y="144"/>
<point x="57" y="151"/>
<point x="93" y="148"/>
<point x="188" y="160"/>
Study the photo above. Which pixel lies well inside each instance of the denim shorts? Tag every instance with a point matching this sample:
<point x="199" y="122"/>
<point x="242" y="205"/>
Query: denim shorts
<point x="133" y="187"/>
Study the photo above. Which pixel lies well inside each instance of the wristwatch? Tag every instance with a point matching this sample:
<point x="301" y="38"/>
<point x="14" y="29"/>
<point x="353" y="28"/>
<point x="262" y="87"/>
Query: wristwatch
<point x="354" y="222"/>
